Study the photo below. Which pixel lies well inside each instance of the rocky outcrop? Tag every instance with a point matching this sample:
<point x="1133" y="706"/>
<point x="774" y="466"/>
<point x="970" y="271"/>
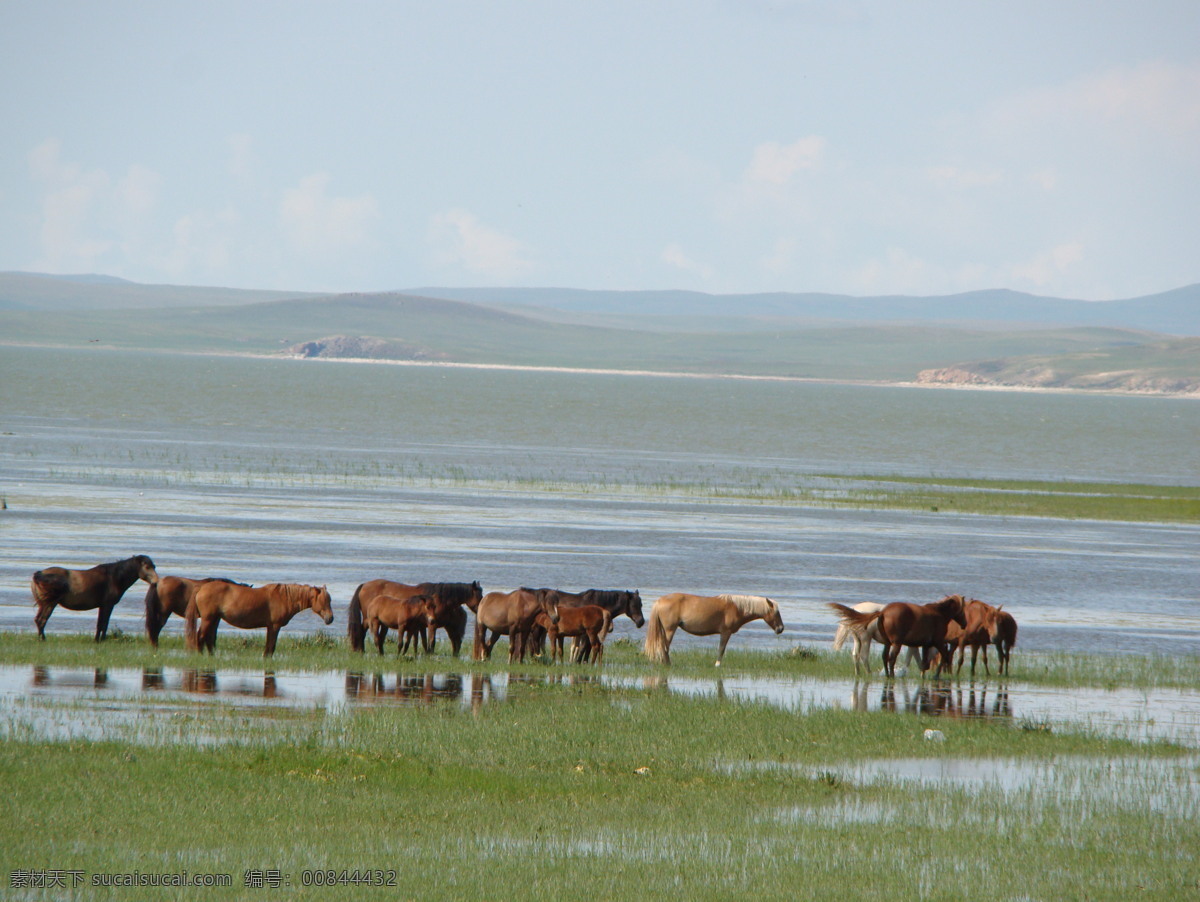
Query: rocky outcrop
<point x="992" y="373"/>
<point x="364" y="348"/>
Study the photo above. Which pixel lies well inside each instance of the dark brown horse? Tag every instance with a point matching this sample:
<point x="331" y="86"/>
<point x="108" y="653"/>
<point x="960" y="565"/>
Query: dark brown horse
<point x="448" y="598"/>
<point x="589" y="621"/>
<point x="511" y="614"/>
<point x="270" y="606"/>
<point x="409" y="617"/>
<point x="171" y="595"/>
<point x="1004" y="637"/>
<point x="900" y="623"/>
<point x="84" y="590"/>
<point x="615" y="601"/>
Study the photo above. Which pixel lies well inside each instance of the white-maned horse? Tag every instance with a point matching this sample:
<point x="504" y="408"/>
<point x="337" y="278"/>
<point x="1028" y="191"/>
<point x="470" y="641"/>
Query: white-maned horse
<point x="704" y="615"/>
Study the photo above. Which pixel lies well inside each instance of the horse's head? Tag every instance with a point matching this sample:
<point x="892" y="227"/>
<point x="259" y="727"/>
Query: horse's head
<point x="548" y="601"/>
<point x="634" y="608"/>
<point x="429" y="605"/>
<point x="322" y="604"/>
<point x="772" y="618"/>
<point x="953" y="608"/>
<point x="146" y="569"/>
<point x="474" y="596"/>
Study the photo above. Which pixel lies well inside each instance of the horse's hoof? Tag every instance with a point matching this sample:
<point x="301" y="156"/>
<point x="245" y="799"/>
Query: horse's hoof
<point x="718" y="664"/>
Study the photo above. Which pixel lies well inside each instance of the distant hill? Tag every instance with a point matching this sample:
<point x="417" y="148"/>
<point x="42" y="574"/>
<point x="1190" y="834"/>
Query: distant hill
<point x="36" y="291"/>
<point x="1174" y="312"/>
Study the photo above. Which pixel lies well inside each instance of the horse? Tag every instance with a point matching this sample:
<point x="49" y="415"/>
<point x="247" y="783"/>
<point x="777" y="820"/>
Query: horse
<point x="449" y="599"/>
<point x="590" y="621"/>
<point x="407" y="616"/>
<point x="171" y="595"/>
<point x="1004" y="637"/>
<point x="511" y="614"/>
<point x="704" y="615"/>
<point x="245" y="607"/>
<point x="615" y="601"/>
<point x="977" y="633"/>
<point x="901" y="623"/>
<point x="862" y="645"/>
<point x="82" y="590"/>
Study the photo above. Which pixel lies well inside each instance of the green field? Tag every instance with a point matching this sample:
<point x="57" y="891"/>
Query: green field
<point x="572" y="789"/>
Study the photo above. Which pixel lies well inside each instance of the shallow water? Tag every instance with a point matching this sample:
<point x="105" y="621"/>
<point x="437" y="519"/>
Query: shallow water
<point x="332" y="474"/>
<point x="33" y="698"/>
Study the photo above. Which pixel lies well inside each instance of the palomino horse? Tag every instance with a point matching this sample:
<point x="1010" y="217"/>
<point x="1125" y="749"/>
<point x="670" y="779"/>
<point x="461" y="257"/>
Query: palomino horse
<point x="511" y="614"/>
<point x="862" y="645"/>
<point x="171" y="595"/>
<point x="407" y="616"/>
<point x="270" y="606"/>
<point x="82" y="590"/>
<point x="615" y="601"/>
<point x="589" y="621"/>
<point x="704" y="615"/>
<point x="449" y="599"/>
<point x="1004" y="637"/>
<point x="901" y="623"/>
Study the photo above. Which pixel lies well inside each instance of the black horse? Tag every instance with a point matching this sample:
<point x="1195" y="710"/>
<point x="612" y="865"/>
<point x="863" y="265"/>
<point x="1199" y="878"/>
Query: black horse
<point x="83" y="590"/>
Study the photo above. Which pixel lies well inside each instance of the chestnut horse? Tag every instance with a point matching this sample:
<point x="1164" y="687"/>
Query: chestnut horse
<point x="589" y="621"/>
<point x="171" y="595"/>
<point x="862" y="645"/>
<point x="407" y="616"/>
<point x="83" y="590"/>
<point x="900" y="624"/>
<point x="1004" y="637"/>
<point x="448" y="598"/>
<point x="976" y="633"/>
<point x="615" y="601"/>
<point x="511" y="614"/>
<point x="704" y="615"/>
<point x="270" y="606"/>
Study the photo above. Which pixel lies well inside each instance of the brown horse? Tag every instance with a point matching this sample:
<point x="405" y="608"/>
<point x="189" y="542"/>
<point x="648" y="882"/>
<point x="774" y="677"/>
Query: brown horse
<point x="900" y="624"/>
<point x="83" y="590"/>
<point x="171" y="595"/>
<point x="409" y="617"/>
<point x="1004" y="637"/>
<point x="511" y="614"/>
<point x="705" y="615"/>
<point x="590" y="621"/>
<point x="976" y="633"/>
<point x="270" y="606"/>
<point x="449" y="599"/>
<point x="615" y="601"/>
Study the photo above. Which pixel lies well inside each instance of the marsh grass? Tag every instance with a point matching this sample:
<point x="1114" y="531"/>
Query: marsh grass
<point x="584" y="792"/>
<point x="623" y="657"/>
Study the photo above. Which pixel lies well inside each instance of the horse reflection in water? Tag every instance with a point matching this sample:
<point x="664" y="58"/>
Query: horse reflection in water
<point x="936" y="700"/>
<point x="43" y="678"/>
<point x="409" y="688"/>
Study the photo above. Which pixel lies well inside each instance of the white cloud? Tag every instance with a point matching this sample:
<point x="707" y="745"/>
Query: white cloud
<point x="201" y="243"/>
<point x="318" y="223"/>
<point x="461" y="240"/>
<point x="71" y="198"/>
<point x="776" y="164"/>
<point x="1045" y="268"/>
<point x="958" y="177"/>
<point x="674" y="255"/>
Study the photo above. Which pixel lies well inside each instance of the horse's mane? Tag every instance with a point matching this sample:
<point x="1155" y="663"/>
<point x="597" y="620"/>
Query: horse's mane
<point x="448" y="593"/>
<point x="749" y="604"/>
<point x="606" y="597"/>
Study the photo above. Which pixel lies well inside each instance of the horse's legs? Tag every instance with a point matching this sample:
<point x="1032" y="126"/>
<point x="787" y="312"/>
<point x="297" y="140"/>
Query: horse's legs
<point x="721" y="651"/>
<point x="43" y="614"/>
<point x="207" y="640"/>
<point x="102" y="621"/>
<point x="272" y="635"/>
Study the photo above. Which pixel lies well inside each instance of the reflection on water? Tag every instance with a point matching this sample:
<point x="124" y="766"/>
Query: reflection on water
<point x="1143" y="714"/>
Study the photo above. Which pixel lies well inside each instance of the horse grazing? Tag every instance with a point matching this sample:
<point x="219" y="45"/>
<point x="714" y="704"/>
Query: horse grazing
<point x="900" y="624"/>
<point x="409" y="617"/>
<point x="448" y="598"/>
<point x="171" y="595"/>
<point x="862" y="645"/>
<point x="704" y="615"/>
<point x="590" y="621"/>
<point x="1004" y="637"/>
<point x="245" y="607"/>
<point x="511" y="614"/>
<point x="82" y="590"/>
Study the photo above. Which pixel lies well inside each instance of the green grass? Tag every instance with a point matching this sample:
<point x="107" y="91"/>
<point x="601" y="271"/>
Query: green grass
<point x="586" y="792"/>
<point x="622" y="657"/>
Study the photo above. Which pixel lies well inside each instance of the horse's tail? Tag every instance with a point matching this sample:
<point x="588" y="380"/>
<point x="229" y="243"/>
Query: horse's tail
<point x="191" y="633"/>
<point x="154" y="618"/>
<point x="656" y="637"/>
<point x="354" y="622"/>
<point x="855" y="621"/>
<point x="839" y="638"/>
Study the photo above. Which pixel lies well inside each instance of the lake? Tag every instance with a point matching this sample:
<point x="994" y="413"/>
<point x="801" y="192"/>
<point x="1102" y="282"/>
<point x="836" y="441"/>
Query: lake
<point x="334" y="473"/>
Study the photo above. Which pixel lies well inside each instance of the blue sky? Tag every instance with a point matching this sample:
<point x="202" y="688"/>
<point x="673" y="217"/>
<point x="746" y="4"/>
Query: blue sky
<point x="715" y="145"/>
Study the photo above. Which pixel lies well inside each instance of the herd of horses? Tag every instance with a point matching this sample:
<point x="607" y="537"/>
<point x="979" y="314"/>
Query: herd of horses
<point x="529" y="618"/>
